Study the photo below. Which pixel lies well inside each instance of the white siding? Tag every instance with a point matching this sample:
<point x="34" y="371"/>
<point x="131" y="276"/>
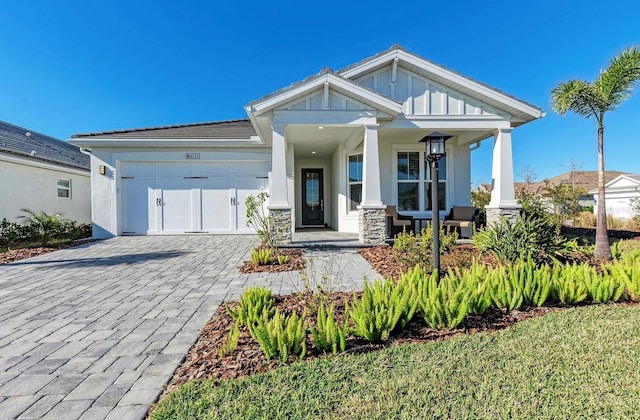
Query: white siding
<point x="421" y="96"/>
<point x="35" y="188"/>
<point x="314" y="102"/>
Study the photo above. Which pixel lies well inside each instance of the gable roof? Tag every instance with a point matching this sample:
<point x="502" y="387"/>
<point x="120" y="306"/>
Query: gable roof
<point x="446" y="77"/>
<point x="27" y="144"/>
<point x="229" y="129"/>
<point x="336" y="82"/>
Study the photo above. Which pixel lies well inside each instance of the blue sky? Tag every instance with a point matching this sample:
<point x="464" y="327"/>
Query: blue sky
<point x="80" y="66"/>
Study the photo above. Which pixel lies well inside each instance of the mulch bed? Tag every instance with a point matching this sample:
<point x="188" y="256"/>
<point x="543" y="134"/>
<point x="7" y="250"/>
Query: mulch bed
<point x="203" y="361"/>
<point x="387" y="261"/>
<point x="21" y="254"/>
<point x="296" y="263"/>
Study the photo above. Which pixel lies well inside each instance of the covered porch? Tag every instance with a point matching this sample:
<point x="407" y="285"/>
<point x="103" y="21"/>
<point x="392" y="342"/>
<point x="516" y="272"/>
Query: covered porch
<point x="346" y="144"/>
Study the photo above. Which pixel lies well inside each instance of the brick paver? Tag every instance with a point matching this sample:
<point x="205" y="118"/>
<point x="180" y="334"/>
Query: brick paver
<point x="97" y="330"/>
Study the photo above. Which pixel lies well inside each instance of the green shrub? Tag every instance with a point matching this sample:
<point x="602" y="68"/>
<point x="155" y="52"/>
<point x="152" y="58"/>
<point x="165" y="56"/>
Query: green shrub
<point x="281" y="336"/>
<point x="261" y="256"/>
<point x="418" y="249"/>
<point x="528" y="235"/>
<point x="42" y="227"/>
<point x="12" y="233"/>
<point x="568" y="283"/>
<point x="506" y="290"/>
<point x="444" y="304"/>
<point x="255" y="303"/>
<point x="383" y="307"/>
<point x="231" y="343"/>
<point x="327" y="334"/>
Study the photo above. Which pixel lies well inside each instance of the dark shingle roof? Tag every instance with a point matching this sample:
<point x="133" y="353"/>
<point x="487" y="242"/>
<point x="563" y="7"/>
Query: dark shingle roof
<point x="19" y="141"/>
<point x="231" y="129"/>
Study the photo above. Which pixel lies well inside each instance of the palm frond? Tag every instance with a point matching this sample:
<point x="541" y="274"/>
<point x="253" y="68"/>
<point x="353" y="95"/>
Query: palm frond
<point x="574" y="95"/>
<point x="615" y="84"/>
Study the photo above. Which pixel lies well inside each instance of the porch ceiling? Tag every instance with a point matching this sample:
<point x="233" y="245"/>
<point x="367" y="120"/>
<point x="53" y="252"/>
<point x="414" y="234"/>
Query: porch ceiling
<point x="308" y="139"/>
<point x="462" y="136"/>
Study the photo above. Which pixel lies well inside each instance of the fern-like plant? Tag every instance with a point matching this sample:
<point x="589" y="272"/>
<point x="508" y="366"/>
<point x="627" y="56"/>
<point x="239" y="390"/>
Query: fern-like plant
<point x="383" y="307"/>
<point x="327" y="334"/>
<point x="255" y="302"/>
<point x="568" y="284"/>
<point x="602" y="287"/>
<point x="261" y="256"/>
<point x="506" y="290"/>
<point x="231" y="342"/>
<point x="535" y="282"/>
<point x="444" y="304"/>
<point x="476" y="281"/>
<point x="281" y="336"/>
<point x="283" y="259"/>
<point x="627" y="272"/>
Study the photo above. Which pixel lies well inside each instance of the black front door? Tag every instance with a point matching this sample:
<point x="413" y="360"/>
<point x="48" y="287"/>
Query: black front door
<point x="312" y="197"/>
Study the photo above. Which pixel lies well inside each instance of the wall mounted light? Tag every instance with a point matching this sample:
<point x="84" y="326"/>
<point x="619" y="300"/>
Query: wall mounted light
<point x="102" y="170"/>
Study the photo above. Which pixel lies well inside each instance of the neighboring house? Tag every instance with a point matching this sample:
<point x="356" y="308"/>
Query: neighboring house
<point x="618" y="195"/>
<point x="42" y="173"/>
<point x="332" y="150"/>
<point x="578" y="179"/>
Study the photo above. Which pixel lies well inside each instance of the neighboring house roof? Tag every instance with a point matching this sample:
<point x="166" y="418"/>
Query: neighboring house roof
<point x="629" y="182"/>
<point x="31" y="145"/>
<point x="230" y="129"/>
<point x="585" y="179"/>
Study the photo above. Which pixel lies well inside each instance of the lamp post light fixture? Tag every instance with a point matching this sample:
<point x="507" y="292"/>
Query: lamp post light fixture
<point x="434" y="151"/>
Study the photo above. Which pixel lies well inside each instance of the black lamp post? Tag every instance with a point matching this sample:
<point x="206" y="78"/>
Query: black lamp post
<point x="434" y="144"/>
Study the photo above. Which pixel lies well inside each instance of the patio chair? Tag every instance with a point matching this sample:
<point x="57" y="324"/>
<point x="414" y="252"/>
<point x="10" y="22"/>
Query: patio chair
<point x="396" y="223"/>
<point x="463" y="218"/>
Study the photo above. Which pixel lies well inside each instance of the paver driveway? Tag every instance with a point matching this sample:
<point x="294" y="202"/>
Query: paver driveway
<point x="96" y="331"/>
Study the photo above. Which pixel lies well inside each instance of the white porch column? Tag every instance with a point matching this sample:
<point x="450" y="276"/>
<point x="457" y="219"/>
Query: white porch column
<point x="279" y="206"/>
<point x="371" y="195"/>
<point x="371" y="213"/>
<point x="503" y="200"/>
<point x="278" y="197"/>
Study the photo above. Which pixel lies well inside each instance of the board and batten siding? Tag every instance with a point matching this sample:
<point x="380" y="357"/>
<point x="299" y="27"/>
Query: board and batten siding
<point x="335" y="102"/>
<point x="420" y="96"/>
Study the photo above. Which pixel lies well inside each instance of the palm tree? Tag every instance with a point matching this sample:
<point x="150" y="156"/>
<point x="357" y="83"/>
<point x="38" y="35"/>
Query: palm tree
<point x="606" y="93"/>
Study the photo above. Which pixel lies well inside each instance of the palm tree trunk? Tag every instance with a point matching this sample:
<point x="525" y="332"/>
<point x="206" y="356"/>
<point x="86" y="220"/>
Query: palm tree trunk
<point x="602" y="235"/>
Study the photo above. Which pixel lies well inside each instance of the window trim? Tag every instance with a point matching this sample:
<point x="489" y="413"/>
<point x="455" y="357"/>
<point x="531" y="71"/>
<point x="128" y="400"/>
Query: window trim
<point x="59" y="188"/>
<point x="422" y="181"/>
<point x="350" y="183"/>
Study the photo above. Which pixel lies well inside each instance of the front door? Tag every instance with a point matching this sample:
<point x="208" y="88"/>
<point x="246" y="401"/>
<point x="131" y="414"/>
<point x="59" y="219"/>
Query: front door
<point x="312" y="197"/>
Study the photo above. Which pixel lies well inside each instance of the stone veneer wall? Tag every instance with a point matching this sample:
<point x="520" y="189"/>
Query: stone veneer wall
<point x="280" y="225"/>
<point x="372" y="226"/>
<point x="495" y="213"/>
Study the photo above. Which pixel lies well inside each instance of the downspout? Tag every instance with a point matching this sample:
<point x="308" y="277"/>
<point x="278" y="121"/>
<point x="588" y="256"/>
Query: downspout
<point x="475" y="146"/>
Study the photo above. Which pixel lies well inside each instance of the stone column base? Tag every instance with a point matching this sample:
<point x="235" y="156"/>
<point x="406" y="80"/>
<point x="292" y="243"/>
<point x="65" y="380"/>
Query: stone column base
<point x="372" y="226"/>
<point x="494" y="214"/>
<point x="280" y="225"/>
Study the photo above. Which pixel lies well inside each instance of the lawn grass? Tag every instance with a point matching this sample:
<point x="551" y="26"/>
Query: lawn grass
<point x="574" y="363"/>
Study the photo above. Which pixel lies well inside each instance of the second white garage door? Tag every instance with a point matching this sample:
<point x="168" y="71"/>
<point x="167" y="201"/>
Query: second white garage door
<point x="186" y="197"/>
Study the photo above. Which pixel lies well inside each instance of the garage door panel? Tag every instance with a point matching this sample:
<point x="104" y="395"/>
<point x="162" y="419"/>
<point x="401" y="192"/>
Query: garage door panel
<point x="175" y="170"/>
<point x="141" y="170"/>
<point x="215" y="171"/>
<point x="138" y="212"/>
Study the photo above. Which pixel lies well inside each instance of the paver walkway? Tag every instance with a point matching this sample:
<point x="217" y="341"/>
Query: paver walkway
<point x="95" y="332"/>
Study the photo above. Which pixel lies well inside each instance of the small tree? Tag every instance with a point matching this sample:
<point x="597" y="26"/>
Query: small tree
<point x="564" y="198"/>
<point x="258" y="218"/>
<point x="480" y="197"/>
<point x="42" y="227"/>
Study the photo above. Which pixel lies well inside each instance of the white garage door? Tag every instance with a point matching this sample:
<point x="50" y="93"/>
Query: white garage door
<point x="187" y="197"/>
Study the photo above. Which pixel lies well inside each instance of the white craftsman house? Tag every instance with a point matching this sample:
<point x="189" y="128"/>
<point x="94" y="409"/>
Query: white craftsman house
<point x="332" y="150"/>
<point x="41" y="173"/>
<point x="619" y="193"/>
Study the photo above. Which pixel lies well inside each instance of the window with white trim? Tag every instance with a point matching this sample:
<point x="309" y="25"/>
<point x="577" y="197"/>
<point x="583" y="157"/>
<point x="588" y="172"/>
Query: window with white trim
<point x="64" y="188"/>
<point x="414" y="181"/>
<point x="355" y="181"/>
